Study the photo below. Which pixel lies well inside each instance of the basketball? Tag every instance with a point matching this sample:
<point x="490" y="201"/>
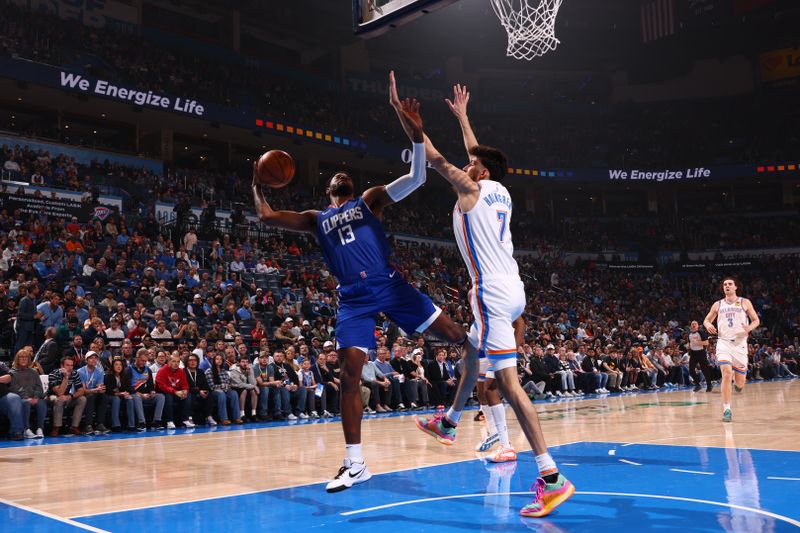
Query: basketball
<point x="275" y="169"/>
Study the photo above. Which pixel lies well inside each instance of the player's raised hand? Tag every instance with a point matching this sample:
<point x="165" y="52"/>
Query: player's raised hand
<point x="394" y="100"/>
<point x="458" y="105"/>
<point x="411" y="119"/>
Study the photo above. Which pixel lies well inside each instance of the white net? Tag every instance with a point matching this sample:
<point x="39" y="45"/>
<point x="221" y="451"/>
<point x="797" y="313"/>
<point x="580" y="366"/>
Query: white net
<point x="530" y="24"/>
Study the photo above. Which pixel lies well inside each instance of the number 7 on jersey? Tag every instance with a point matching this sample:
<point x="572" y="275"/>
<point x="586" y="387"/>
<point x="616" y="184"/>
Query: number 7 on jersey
<point x="502" y="217"/>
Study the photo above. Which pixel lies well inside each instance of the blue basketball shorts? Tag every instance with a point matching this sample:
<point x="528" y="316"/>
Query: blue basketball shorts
<point x="385" y="291"/>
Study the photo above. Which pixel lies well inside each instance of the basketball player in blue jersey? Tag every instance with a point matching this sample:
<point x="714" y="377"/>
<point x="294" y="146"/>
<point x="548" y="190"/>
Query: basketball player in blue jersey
<point x="481" y="220"/>
<point x="358" y="253"/>
<point x="735" y="318"/>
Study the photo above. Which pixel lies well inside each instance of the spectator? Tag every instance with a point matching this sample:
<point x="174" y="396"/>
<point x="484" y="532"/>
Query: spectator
<point x="309" y="383"/>
<point x="199" y="389"/>
<point x="26" y="383"/>
<point x="51" y="314"/>
<point x="49" y="353"/>
<point x="243" y="382"/>
<point x="330" y="398"/>
<point x="287" y="389"/>
<point x="263" y="378"/>
<point x="26" y="314"/>
<point x="11" y="405"/>
<point x="66" y="390"/>
<point x="227" y="400"/>
<point x="379" y="385"/>
<point x="118" y="390"/>
<point x="171" y="382"/>
<point x="144" y="393"/>
<point x="93" y="379"/>
<point x="442" y="378"/>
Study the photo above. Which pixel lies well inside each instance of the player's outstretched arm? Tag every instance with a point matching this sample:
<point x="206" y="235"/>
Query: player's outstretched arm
<point x="458" y="105"/>
<point x="305" y="221"/>
<point x="408" y="112"/>
<point x="459" y="179"/>
<point x="710" y="317"/>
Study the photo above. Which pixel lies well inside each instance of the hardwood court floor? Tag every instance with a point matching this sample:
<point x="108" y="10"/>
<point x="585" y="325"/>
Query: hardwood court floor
<point x="92" y="475"/>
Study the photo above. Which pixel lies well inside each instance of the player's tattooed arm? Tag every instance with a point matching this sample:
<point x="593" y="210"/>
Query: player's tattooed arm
<point x="292" y="220"/>
<point x="459" y="179"/>
<point x="458" y="105"/>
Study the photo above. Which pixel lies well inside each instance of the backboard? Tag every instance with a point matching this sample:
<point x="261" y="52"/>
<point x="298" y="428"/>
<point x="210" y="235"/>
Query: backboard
<point x="374" y="17"/>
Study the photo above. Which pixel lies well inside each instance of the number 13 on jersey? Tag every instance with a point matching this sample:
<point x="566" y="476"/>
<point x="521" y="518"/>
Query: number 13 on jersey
<point x="346" y="234"/>
<point x="502" y="217"/>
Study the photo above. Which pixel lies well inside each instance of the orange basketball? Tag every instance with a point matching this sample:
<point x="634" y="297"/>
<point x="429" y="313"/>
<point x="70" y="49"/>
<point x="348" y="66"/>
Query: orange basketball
<point x="275" y="169"/>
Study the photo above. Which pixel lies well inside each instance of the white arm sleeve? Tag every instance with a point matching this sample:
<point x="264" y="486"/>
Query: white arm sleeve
<point x="405" y="185"/>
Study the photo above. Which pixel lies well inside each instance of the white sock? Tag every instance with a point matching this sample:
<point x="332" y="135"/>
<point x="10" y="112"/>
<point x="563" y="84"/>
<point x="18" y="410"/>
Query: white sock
<point x="487" y="414"/>
<point x="252" y="412"/>
<point x="354" y="453"/>
<point x="453" y="416"/>
<point x="546" y="465"/>
<point x="499" y="416"/>
<point x="241" y="413"/>
<point x="726" y="406"/>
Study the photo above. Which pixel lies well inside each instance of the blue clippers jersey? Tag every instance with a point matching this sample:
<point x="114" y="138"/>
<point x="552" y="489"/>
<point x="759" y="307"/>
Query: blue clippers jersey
<point x="352" y="240"/>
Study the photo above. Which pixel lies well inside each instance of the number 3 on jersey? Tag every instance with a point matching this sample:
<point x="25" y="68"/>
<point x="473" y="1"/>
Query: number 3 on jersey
<point x="502" y="217"/>
<point x="346" y="234"/>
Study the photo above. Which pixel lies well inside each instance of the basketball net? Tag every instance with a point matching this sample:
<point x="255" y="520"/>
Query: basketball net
<point x="530" y="25"/>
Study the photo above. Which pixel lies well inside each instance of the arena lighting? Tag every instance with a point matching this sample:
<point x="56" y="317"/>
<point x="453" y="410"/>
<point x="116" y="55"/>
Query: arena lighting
<point x="309" y="133"/>
<point x="778" y="167"/>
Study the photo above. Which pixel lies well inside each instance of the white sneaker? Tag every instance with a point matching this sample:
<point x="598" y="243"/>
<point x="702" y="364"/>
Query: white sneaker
<point x="29" y="434"/>
<point x="170" y="425"/>
<point x="39" y="433"/>
<point x="210" y="421"/>
<point x="314" y="414"/>
<point x="350" y="474"/>
<point x="291" y="416"/>
<point x="327" y="414"/>
<point x="188" y="424"/>
<point x="303" y="416"/>
<point x="401" y="407"/>
<point x="559" y="393"/>
<point x="487" y="443"/>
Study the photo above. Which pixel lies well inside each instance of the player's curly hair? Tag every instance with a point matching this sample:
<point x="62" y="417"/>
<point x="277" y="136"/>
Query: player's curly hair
<point x="493" y="159"/>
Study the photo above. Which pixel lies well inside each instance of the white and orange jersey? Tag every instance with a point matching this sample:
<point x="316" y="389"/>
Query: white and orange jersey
<point x="483" y="234"/>
<point x="731" y="319"/>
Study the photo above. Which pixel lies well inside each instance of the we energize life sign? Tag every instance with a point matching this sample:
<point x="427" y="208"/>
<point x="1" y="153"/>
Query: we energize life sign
<point x="125" y="94"/>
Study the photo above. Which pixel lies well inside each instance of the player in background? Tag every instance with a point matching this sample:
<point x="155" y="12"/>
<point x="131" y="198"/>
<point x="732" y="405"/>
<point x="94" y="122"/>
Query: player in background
<point x="698" y="342"/>
<point x="358" y="253"/>
<point x="736" y="318"/>
<point x="481" y="219"/>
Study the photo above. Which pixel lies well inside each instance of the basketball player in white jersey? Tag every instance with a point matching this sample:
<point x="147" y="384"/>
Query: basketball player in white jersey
<point x="481" y="220"/>
<point x="736" y="318"/>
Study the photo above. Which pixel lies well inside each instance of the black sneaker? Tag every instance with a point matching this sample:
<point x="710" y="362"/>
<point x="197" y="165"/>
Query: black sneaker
<point x="101" y="429"/>
<point x="141" y="427"/>
<point x="159" y="425"/>
<point x="697" y="387"/>
<point x="479" y="417"/>
<point x="88" y="430"/>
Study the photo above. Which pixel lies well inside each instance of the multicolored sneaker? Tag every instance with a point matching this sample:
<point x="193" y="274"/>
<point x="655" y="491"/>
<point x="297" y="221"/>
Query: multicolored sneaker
<point x="727" y="416"/>
<point x="487" y="443"/>
<point x="502" y="455"/>
<point x="548" y="496"/>
<point x="433" y="427"/>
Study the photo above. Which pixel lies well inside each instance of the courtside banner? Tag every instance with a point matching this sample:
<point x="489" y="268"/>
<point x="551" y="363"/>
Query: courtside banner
<point x="58" y="207"/>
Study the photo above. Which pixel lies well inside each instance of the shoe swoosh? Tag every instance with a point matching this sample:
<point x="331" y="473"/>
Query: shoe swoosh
<point x="351" y="476"/>
<point x="392" y="274"/>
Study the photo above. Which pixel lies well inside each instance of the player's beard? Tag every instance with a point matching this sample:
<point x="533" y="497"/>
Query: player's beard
<point x="342" y="189"/>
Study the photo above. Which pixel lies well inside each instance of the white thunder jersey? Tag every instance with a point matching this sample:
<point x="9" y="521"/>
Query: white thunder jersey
<point x="497" y="296"/>
<point x="731" y="343"/>
<point x="483" y="234"/>
<point x="732" y="319"/>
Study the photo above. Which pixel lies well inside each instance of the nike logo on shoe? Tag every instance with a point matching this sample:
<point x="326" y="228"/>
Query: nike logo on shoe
<point x="392" y="274"/>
